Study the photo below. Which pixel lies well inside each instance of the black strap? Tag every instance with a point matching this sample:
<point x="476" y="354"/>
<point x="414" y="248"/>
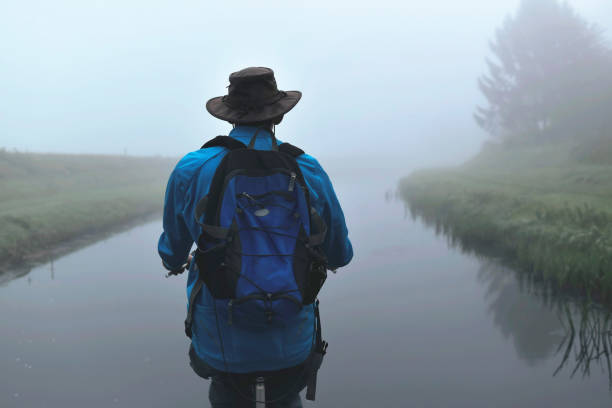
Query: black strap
<point x="321" y="227"/>
<point x="316" y="358"/>
<point x="290" y="149"/>
<point x="200" y="208"/>
<point x="233" y="144"/>
<point x="197" y="287"/>
<point x="214" y="231"/>
<point x="251" y="145"/>
<point x="225" y="141"/>
<point x="320" y="345"/>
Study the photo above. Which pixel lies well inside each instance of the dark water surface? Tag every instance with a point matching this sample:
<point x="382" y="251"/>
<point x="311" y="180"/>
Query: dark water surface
<point x="410" y="323"/>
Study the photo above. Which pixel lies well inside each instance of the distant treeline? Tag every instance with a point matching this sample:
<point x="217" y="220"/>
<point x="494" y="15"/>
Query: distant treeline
<point x="540" y="197"/>
<point x="46" y="200"/>
<point x="549" y="78"/>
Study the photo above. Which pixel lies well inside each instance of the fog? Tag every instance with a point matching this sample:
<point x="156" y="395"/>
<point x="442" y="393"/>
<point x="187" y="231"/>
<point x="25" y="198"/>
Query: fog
<point x="132" y="77"/>
<point x="486" y="284"/>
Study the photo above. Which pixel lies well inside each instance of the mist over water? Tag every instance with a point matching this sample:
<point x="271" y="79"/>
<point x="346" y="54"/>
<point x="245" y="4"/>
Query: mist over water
<point x="410" y="322"/>
<point x="420" y="317"/>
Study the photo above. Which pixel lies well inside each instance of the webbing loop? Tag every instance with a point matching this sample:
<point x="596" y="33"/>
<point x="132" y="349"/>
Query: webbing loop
<point x="316" y="358"/>
<point x="197" y="287"/>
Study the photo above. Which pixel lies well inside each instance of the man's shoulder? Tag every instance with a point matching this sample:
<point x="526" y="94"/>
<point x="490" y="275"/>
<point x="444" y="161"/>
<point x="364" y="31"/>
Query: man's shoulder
<point x="193" y="162"/>
<point x="208" y="159"/>
<point x="316" y="178"/>
<point x="309" y="163"/>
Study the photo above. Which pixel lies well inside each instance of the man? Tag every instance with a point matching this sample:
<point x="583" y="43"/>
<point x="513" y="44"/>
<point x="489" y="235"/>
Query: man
<point x="230" y="353"/>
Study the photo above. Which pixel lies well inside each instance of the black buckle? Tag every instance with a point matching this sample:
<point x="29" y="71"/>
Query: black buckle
<point x="178" y="271"/>
<point x="188" y="331"/>
<point x="323" y="347"/>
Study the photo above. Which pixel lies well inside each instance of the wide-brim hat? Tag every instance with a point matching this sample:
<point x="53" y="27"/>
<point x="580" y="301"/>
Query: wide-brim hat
<point x="252" y="97"/>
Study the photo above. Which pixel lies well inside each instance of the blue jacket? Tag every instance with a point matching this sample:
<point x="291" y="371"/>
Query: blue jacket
<point x="244" y="350"/>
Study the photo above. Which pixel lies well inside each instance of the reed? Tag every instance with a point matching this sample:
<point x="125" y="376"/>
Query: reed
<point x="552" y="221"/>
<point x="48" y="200"/>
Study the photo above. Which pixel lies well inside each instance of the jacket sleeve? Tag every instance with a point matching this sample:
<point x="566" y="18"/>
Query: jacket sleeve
<point x="176" y="241"/>
<point x="337" y="246"/>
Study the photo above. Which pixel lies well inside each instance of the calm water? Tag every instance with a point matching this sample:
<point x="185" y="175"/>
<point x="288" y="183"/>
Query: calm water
<point x="410" y="323"/>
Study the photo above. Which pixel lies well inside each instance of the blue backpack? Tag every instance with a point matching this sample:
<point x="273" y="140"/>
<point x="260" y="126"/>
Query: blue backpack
<point x="259" y="252"/>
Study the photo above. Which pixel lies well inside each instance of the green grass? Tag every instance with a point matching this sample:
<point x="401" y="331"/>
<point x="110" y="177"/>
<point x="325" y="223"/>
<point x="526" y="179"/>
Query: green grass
<point x="47" y="200"/>
<point x="537" y="208"/>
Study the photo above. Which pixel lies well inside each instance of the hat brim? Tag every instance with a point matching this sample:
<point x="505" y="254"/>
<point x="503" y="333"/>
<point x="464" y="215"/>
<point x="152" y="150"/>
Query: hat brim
<point x="220" y="110"/>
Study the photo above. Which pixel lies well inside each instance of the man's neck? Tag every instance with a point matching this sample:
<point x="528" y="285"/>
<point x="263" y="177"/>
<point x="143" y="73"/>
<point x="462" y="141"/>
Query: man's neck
<point x="267" y="128"/>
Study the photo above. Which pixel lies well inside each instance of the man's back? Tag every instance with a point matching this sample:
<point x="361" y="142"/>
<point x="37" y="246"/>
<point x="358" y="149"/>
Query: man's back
<point x="287" y="347"/>
<point x="245" y="350"/>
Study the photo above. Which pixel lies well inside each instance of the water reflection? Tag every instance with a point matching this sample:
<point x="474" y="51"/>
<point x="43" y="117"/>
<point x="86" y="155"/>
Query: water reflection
<point x="522" y="311"/>
<point x="542" y="322"/>
<point x="10" y="273"/>
<point x="8" y="276"/>
<point x="15" y="273"/>
<point x="588" y="341"/>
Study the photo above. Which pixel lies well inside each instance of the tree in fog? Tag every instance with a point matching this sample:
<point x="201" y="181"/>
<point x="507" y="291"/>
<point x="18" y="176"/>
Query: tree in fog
<point x="549" y="78"/>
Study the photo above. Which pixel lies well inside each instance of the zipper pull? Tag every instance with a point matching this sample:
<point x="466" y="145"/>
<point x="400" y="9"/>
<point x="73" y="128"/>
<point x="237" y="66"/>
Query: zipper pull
<point x="247" y="196"/>
<point x="292" y="181"/>
<point x="229" y="312"/>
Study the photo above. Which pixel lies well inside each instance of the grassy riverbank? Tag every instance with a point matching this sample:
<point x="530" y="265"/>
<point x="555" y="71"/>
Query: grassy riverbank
<point x="47" y="200"/>
<point x="540" y="209"/>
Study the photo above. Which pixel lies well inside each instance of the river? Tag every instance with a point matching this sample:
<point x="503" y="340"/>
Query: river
<point x="411" y="321"/>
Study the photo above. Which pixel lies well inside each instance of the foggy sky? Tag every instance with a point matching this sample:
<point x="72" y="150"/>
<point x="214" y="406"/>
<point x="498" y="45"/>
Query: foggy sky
<point x="115" y="76"/>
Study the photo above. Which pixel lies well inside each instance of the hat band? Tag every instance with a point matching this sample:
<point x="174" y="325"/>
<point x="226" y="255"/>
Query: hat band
<point x="250" y="104"/>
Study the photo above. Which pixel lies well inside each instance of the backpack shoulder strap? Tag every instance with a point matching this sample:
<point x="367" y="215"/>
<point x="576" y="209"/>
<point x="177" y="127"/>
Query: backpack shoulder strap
<point x="225" y="141"/>
<point x="290" y="149"/>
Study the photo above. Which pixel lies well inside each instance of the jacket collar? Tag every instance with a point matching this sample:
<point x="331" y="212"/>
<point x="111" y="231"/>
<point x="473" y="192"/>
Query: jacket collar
<point x="245" y="133"/>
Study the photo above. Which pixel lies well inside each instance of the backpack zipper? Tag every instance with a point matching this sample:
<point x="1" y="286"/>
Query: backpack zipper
<point x="257" y="197"/>
<point x="229" y="312"/>
<point x="250" y="198"/>
<point x="292" y="181"/>
<point x="288" y="297"/>
<point x="267" y="298"/>
<point x="265" y="172"/>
